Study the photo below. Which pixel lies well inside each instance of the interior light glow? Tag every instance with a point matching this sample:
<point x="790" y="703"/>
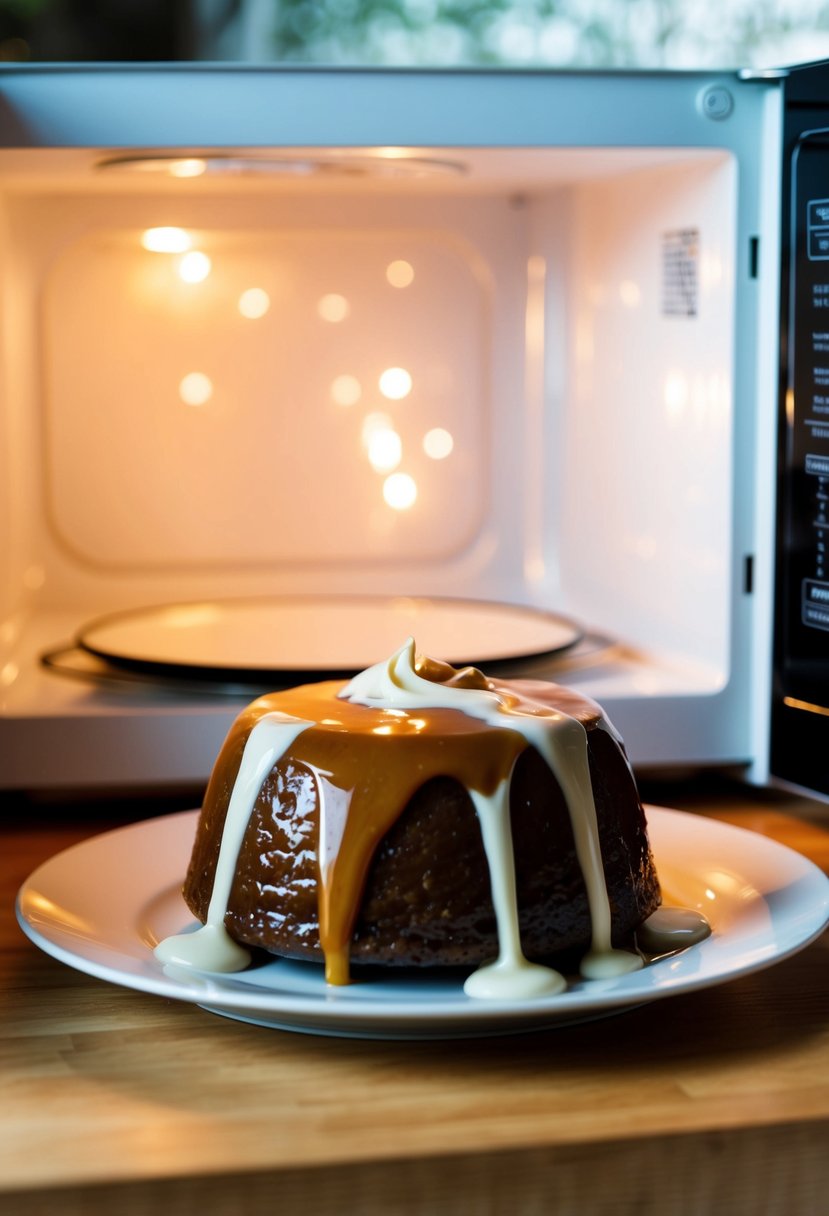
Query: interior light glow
<point x="400" y="491"/>
<point x="195" y="388"/>
<point x="333" y="308"/>
<point x="345" y="390"/>
<point x="191" y="166"/>
<point x="254" y="303"/>
<point x="375" y="422"/>
<point x="400" y="273"/>
<point x="395" y="383"/>
<point x="438" y="443"/>
<point x="194" y="266"/>
<point x="385" y="449"/>
<point x="166" y="240"/>
<point x="630" y="293"/>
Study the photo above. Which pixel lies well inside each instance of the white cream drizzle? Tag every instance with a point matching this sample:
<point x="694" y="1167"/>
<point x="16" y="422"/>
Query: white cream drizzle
<point x="395" y="684"/>
<point x="562" y="742"/>
<point x="512" y="976"/>
<point x="211" y="948"/>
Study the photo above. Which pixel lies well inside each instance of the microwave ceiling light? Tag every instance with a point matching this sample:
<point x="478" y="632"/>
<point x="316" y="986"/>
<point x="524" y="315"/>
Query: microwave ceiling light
<point x="194" y="267"/>
<point x="254" y="303"/>
<point x="380" y="163"/>
<point x="195" y="388"/>
<point x="395" y="383"/>
<point x="371" y="424"/>
<point x="333" y="308"/>
<point x="400" y="491"/>
<point x="385" y="450"/>
<point x="346" y="390"/>
<point x="166" y="240"/>
<point x="189" y="167"/>
<point x="438" y="443"/>
<point x="400" y="273"/>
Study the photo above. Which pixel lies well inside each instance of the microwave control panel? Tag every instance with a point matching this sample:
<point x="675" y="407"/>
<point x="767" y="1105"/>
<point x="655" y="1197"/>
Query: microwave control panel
<point x="808" y="415"/>
<point x="800" y="721"/>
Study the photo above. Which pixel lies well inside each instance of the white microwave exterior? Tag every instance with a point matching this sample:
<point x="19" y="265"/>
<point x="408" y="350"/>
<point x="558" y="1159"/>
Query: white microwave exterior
<point x="196" y="107"/>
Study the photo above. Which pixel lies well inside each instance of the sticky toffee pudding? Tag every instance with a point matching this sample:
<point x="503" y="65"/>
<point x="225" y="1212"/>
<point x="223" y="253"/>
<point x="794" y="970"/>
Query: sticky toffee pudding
<point x="422" y="816"/>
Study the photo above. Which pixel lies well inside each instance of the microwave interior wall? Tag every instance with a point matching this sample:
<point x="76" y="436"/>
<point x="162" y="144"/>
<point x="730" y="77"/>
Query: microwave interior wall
<point x="557" y="331"/>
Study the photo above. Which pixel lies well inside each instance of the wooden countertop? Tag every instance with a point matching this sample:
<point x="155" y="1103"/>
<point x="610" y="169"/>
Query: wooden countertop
<point x="112" y="1100"/>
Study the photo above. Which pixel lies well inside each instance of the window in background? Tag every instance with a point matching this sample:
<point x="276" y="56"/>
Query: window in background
<point x="556" y="33"/>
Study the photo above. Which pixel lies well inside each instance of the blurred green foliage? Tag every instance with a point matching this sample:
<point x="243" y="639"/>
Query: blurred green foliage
<point x="369" y="29"/>
<point x="584" y="33"/>
<point x="606" y="33"/>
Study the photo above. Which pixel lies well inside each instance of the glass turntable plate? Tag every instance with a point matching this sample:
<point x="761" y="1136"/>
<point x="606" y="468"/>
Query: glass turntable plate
<point x="291" y="635"/>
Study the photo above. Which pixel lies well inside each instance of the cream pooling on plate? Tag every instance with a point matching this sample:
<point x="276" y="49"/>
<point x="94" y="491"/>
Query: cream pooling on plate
<point x="394" y="689"/>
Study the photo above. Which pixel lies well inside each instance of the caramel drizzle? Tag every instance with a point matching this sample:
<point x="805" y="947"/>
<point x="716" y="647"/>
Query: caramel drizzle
<point x="368" y="764"/>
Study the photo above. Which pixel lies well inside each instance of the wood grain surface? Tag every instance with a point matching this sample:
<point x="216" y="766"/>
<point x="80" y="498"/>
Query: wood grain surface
<point x="112" y="1100"/>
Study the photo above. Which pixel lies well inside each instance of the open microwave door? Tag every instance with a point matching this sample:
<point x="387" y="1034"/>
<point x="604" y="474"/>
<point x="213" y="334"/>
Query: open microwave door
<point x="800" y="696"/>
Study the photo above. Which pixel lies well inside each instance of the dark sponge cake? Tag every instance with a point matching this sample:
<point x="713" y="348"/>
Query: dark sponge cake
<point x="425" y="895"/>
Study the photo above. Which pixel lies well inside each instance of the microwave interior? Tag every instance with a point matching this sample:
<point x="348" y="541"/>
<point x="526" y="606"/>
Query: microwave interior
<point x="498" y="374"/>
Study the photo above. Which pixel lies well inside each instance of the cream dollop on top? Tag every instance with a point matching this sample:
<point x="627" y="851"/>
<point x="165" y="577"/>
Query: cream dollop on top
<point x="411" y="681"/>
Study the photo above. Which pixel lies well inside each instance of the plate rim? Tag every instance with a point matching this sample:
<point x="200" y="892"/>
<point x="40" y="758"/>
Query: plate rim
<point x="321" y="1014"/>
<point x="230" y="671"/>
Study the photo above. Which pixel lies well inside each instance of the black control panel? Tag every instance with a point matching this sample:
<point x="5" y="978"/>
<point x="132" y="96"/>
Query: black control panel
<point x="800" y="720"/>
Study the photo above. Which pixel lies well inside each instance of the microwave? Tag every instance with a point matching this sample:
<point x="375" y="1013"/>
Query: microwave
<point x="604" y="295"/>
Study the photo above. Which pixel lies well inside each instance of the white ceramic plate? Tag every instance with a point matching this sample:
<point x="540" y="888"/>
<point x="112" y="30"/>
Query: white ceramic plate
<point x="289" y="634"/>
<point x="102" y="905"/>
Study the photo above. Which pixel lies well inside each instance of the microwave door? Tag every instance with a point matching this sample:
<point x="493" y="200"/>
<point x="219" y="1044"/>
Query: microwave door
<point x="799" y="752"/>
